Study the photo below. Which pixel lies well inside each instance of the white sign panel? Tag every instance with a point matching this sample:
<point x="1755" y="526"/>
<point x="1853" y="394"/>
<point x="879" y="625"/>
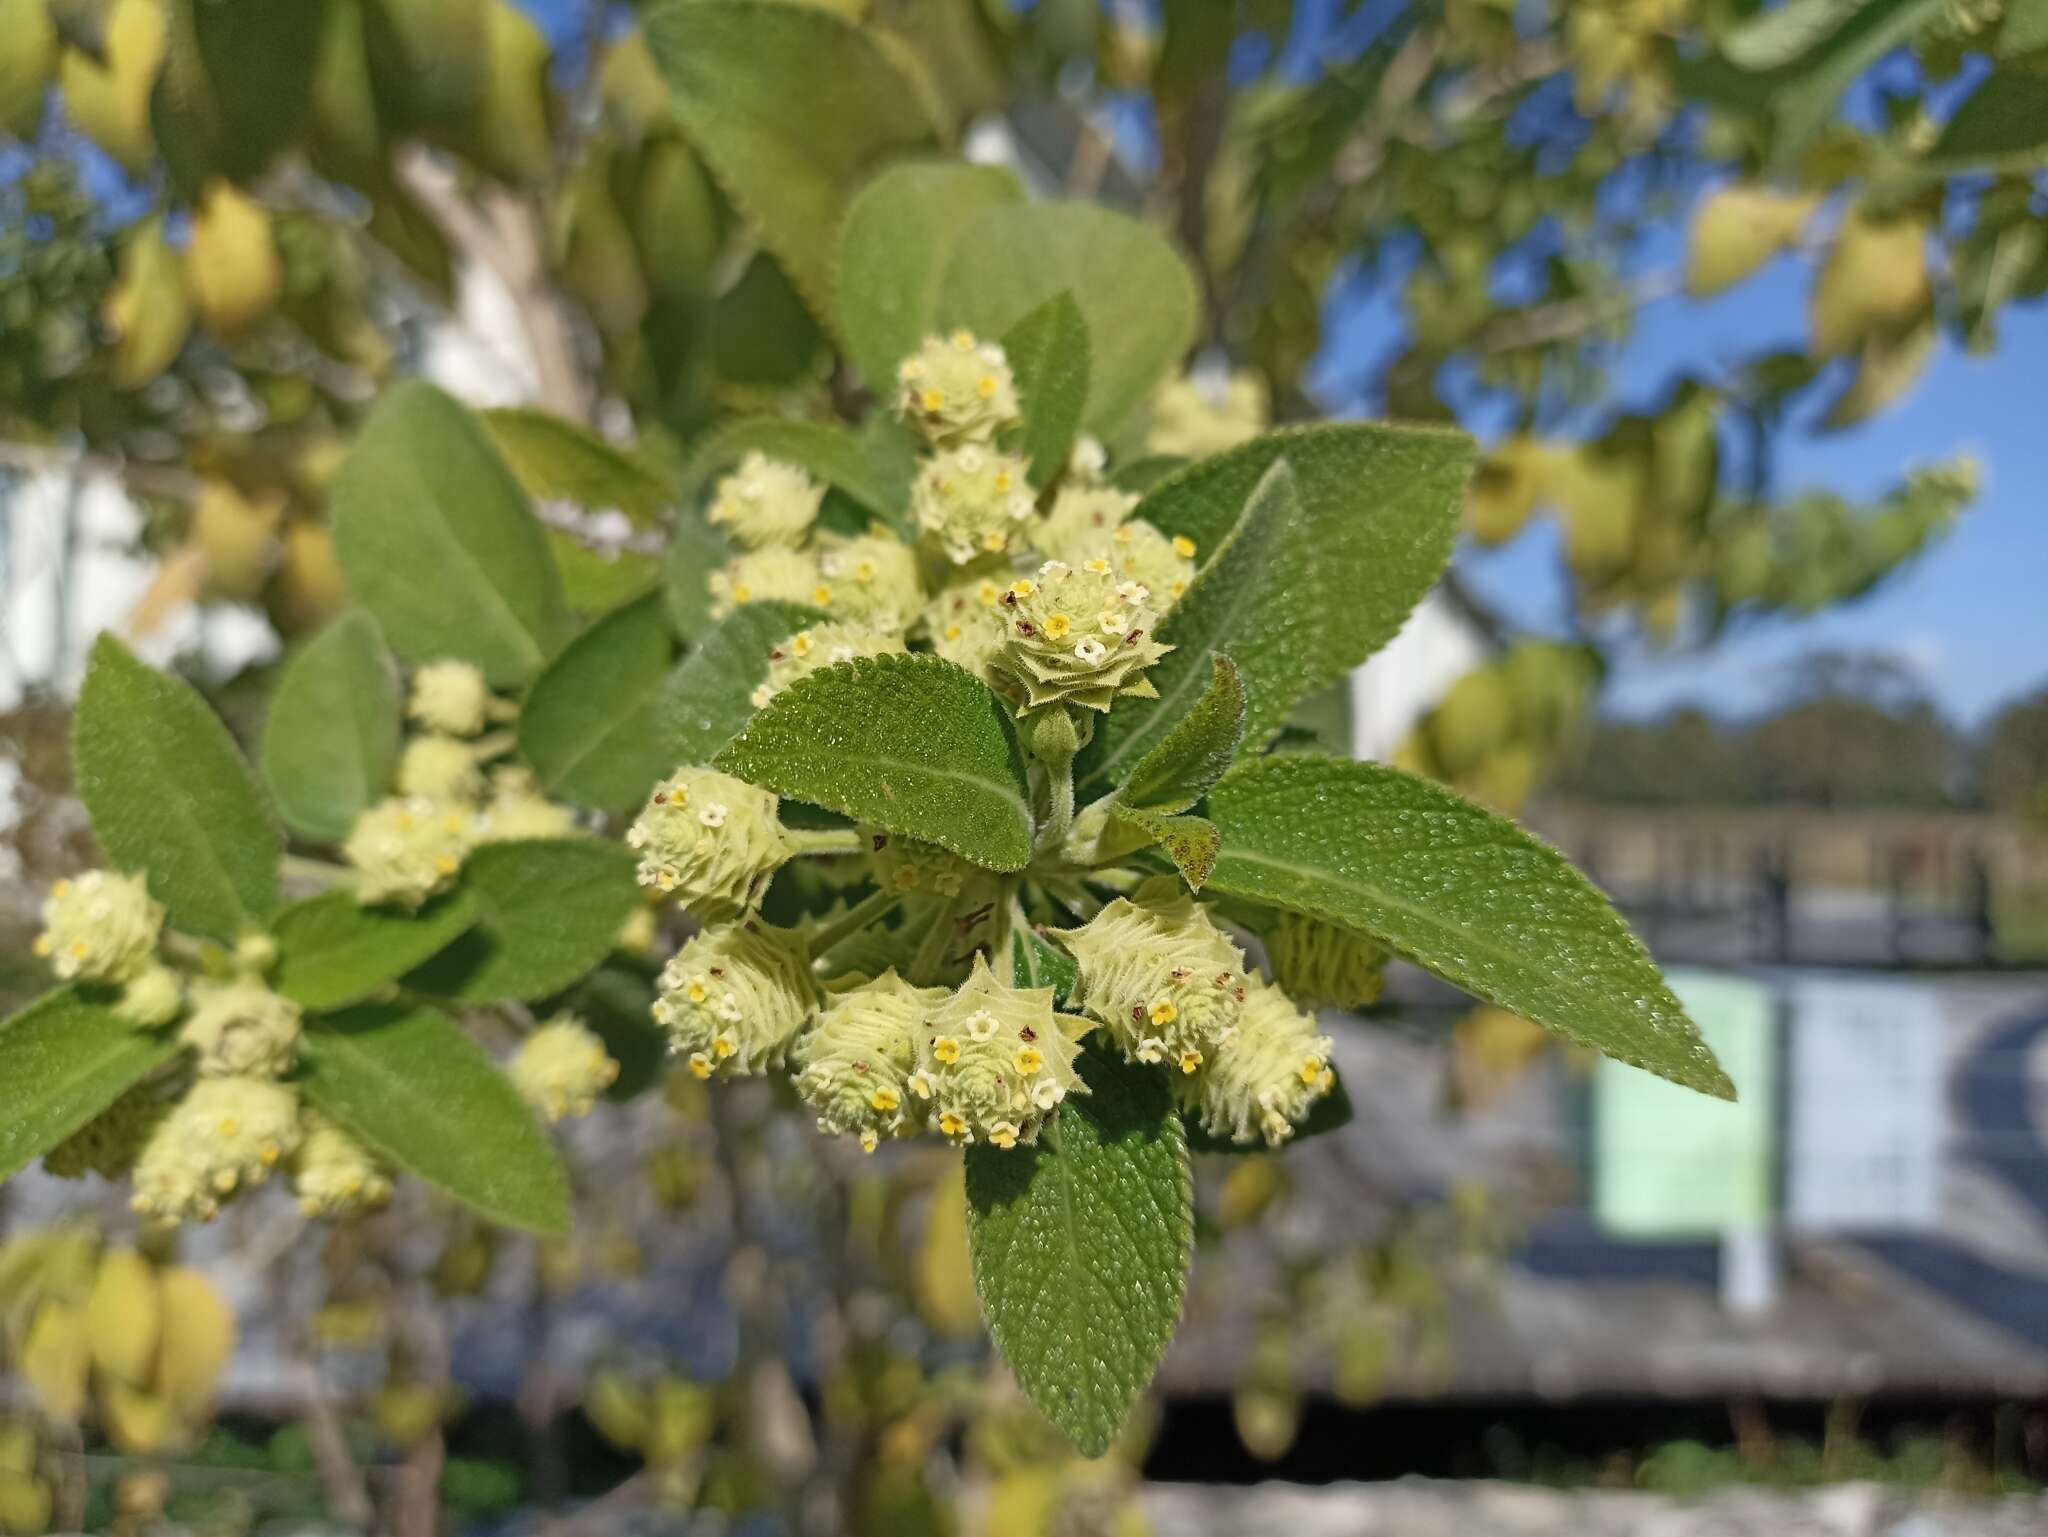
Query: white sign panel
<point x="1864" y="1144"/>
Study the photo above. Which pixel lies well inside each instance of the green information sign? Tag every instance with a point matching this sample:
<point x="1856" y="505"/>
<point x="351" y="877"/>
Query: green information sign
<point x="1668" y="1163"/>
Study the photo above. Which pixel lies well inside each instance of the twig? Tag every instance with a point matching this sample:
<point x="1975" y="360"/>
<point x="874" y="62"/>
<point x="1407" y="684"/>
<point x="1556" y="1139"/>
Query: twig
<point x="346" y="1489"/>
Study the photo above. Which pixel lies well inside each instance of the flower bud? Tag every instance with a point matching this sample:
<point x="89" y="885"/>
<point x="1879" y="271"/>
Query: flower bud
<point x="333" y="1175"/>
<point x="242" y="1030"/>
<point x="226" y="1134"/>
<point x="1324" y="964"/>
<point x="1262" y="1082"/>
<point x="1075" y="635"/>
<point x="711" y="840"/>
<point x="824" y="645"/>
<point x="872" y="578"/>
<point x="100" y="927"/>
<point x="1087" y="460"/>
<point x="1161" y="977"/>
<point x="964" y="623"/>
<point x="406" y="849"/>
<point x="109" y="1144"/>
<point x="854" y="1063"/>
<point x="439" y="768"/>
<point x="450" y="697"/>
<point x="734" y="997"/>
<point x="994" y="1061"/>
<point x="958" y="387"/>
<point x="1082" y="521"/>
<point x="772" y="575"/>
<point x="562" y="1069"/>
<point x="1164" y="567"/>
<point x="911" y="865"/>
<point x="517" y="809"/>
<point x="973" y="502"/>
<point x="766" y="502"/>
<point x="1195" y="417"/>
<point x="152" y="997"/>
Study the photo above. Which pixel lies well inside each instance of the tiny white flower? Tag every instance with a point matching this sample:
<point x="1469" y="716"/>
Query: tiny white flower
<point x="1091" y="651"/>
<point x="713" y="814"/>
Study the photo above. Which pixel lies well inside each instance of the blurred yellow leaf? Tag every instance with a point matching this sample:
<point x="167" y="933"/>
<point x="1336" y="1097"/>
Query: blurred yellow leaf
<point x="945" y="1275"/>
<point x="26" y="1505"/>
<point x="110" y="102"/>
<point x="199" y="1341"/>
<point x="309" y="588"/>
<point x="1490" y="1050"/>
<point x="1887" y="367"/>
<point x="1507" y="487"/>
<point x="232" y="265"/>
<point x="28" y="62"/>
<point x="147" y="309"/>
<point x="1736" y="229"/>
<point x="57" y="1361"/>
<point x="238" y="535"/>
<point x="1874" y="280"/>
<point x="614" y="1404"/>
<point x="138" y="1422"/>
<point x="124" y="1318"/>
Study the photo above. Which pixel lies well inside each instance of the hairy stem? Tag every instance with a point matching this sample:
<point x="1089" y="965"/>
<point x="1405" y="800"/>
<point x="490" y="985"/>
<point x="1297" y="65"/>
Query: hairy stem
<point x="825" y="840"/>
<point x="853" y="920"/>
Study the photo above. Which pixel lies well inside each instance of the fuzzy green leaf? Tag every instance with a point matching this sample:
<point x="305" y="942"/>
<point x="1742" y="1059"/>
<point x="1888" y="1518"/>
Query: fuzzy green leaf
<point x="1198" y="751"/>
<point x="912" y="744"/>
<point x="1135" y="293"/>
<point x="790" y="160"/>
<point x="330" y="742"/>
<point x="169" y="794"/>
<point x="62" y="1061"/>
<point x="615" y="1002"/>
<point x="838" y="456"/>
<point x="560" y="460"/>
<point x="1048" y="352"/>
<point x="1327" y="1114"/>
<point x="892" y="257"/>
<point x="1034" y="963"/>
<point x="438" y="541"/>
<point x="591" y="725"/>
<point x="710" y="695"/>
<point x="332" y="951"/>
<point x="1190" y="842"/>
<point x="1298" y="586"/>
<point x="414" y="1088"/>
<point x="547" y="911"/>
<point x="1459" y="891"/>
<point x="1081" y="1247"/>
<point x="695" y="550"/>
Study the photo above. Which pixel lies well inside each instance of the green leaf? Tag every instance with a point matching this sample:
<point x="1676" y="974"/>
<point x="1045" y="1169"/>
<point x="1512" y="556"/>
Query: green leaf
<point x="1135" y="293"/>
<point x="557" y="459"/>
<point x="1329" y="1113"/>
<point x="2005" y="116"/>
<point x="1459" y="891"/>
<point x="330" y="742"/>
<point x="1048" y="352"/>
<point x="1081" y="1247"/>
<point x="1198" y="751"/>
<point x="1310" y="583"/>
<point x="439" y="544"/>
<point x="547" y="911"/>
<point x="591" y="725"/>
<point x="789" y="159"/>
<point x="695" y="550"/>
<point x="1190" y="842"/>
<point x="234" y="85"/>
<point x="710" y="695"/>
<point x="62" y="1061"/>
<point x="596" y="581"/>
<point x="1035" y="963"/>
<point x="169" y="794"/>
<point x="899" y="231"/>
<point x="1141" y="475"/>
<point x="332" y="951"/>
<point x="833" y="454"/>
<point x="912" y="744"/>
<point x="762" y="336"/>
<point x="414" y="1088"/>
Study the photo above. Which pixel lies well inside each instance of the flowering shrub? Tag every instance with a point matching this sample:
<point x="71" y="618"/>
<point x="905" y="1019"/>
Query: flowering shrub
<point x="947" y="793"/>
